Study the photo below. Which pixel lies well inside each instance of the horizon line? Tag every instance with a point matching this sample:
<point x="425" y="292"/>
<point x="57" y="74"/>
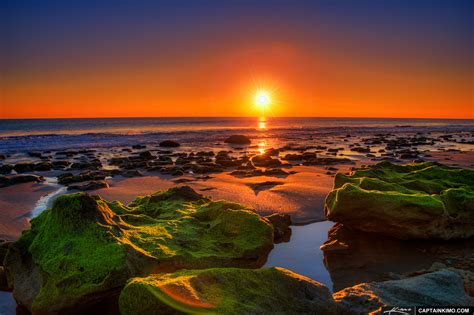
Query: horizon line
<point x="319" y="117"/>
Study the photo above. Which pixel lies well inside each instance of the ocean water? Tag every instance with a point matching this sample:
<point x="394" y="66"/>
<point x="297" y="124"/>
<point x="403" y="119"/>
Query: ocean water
<point x="45" y="134"/>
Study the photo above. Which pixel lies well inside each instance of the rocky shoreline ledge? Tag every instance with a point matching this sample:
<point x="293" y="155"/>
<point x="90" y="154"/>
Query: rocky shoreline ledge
<point x="393" y="219"/>
<point x="178" y="251"/>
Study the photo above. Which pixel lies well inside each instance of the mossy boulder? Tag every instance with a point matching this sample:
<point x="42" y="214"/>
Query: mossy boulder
<point x="423" y="200"/>
<point x="85" y="248"/>
<point x="226" y="291"/>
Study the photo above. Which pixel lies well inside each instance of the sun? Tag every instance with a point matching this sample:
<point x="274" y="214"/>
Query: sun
<point x="262" y="99"/>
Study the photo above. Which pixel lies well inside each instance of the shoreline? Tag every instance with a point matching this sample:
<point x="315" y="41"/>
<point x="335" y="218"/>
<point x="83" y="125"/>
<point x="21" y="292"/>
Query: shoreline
<point x="293" y="180"/>
<point x="300" y="193"/>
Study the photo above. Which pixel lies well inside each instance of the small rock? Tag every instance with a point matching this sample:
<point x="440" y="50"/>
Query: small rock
<point x="92" y="185"/>
<point x="281" y="227"/>
<point x="238" y="139"/>
<point x="169" y="144"/>
<point x="19" y="179"/>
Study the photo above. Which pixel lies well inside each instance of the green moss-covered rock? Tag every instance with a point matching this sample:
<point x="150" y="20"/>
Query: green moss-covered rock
<point x="424" y="200"/>
<point x="84" y="247"/>
<point x="226" y="291"/>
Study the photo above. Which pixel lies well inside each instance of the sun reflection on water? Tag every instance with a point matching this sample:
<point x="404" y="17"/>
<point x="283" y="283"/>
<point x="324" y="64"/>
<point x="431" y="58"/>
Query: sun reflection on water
<point x="262" y="146"/>
<point x="262" y="123"/>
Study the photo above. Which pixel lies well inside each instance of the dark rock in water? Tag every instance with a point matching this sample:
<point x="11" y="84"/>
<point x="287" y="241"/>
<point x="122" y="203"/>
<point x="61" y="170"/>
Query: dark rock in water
<point x="246" y="167"/>
<point x="173" y="170"/>
<point x="245" y="173"/>
<point x="272" y="152"/>
<point x="169" y="144"/>
<point x="441" y="288"/>
<point x="352" y="256"/>
<point x="35" y="154"/>
<point x="361" y="149"/>
<point x="66" y="153"/>
<point x="6" y="169"/>
<point x="425" y="200"/>
<point x="92" y="185"/>
<point x="253" y="172"/>
<point x="58" y="165"/>
<point x="31" y="167"/>
<point x="327" y="161"/>
<point x="278" y="172"/>
<point x="146" y="155"/>
<point x="226" y="291"/>
<point x="258" y="187"/>
<point x="24" y="167"/>
<point x="281" y="227"/>
<point x="3" y="280"/>
<point x="265" y="161"/>
<point x="307" y="156"/>
<point x="182" y="160"/>
<point x="44" y="166"/>
<point x="67" y="178"/>
<point x="183" y="180"/>
<point x="131" y="173"/>
<point x="2" y="157"/>
<point x="293" y="157"/>
<point x="238" y="139"/>
<point x="19" y="179"/>
<point x="90" y="165"/>
<point x="224" y="160"/>
<point x="138" y="146"/>
<point x="84" y="248"/>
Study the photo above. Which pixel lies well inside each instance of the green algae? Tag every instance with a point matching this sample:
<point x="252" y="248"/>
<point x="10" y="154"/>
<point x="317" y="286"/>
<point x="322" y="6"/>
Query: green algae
<point x="417" y="198"/>
<point x="84" y="245"/>
<point x="226" y="291"/>
<point x="75" y="254"/>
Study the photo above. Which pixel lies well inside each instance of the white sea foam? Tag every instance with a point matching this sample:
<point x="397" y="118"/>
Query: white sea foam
<point x="45" y="201"/>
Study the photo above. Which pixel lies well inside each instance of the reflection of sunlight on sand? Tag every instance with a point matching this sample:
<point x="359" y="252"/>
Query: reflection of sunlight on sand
<point x="182" y="297"/>
<point x="302" y="194"/>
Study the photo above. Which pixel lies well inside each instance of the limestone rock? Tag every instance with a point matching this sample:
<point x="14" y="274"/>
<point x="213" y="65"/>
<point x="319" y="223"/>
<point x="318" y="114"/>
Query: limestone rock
<point x="84" y="248"/>
<point x="424" y="200"/>
<point x="226" y="291"/>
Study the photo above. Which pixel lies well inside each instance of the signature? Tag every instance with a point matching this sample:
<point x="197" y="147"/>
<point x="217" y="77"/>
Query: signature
<point x="398" y="310"/>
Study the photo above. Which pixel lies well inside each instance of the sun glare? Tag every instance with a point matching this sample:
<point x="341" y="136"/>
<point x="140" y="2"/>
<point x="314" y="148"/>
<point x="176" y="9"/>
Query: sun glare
<point x="262" y="99"/>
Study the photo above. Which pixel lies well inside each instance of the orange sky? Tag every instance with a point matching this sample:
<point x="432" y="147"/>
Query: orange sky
<point x="333" y="74"/>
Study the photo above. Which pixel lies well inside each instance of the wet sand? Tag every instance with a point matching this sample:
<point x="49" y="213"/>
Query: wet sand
<point x="16" y="204"/>
<point x="458" y="159"/>
<point x="300" y="195"/>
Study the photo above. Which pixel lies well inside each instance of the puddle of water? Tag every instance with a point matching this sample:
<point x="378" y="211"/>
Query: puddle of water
<point x="302" y="254"/>
<point x="7" y="303"/>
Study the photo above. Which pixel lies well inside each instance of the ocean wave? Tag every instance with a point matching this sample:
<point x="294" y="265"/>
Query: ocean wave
<point x="49" y="141"/>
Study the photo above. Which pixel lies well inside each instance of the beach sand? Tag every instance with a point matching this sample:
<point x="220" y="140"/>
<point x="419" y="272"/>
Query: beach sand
<point x="300" y="195"/>
<point x="16" y="203"/>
